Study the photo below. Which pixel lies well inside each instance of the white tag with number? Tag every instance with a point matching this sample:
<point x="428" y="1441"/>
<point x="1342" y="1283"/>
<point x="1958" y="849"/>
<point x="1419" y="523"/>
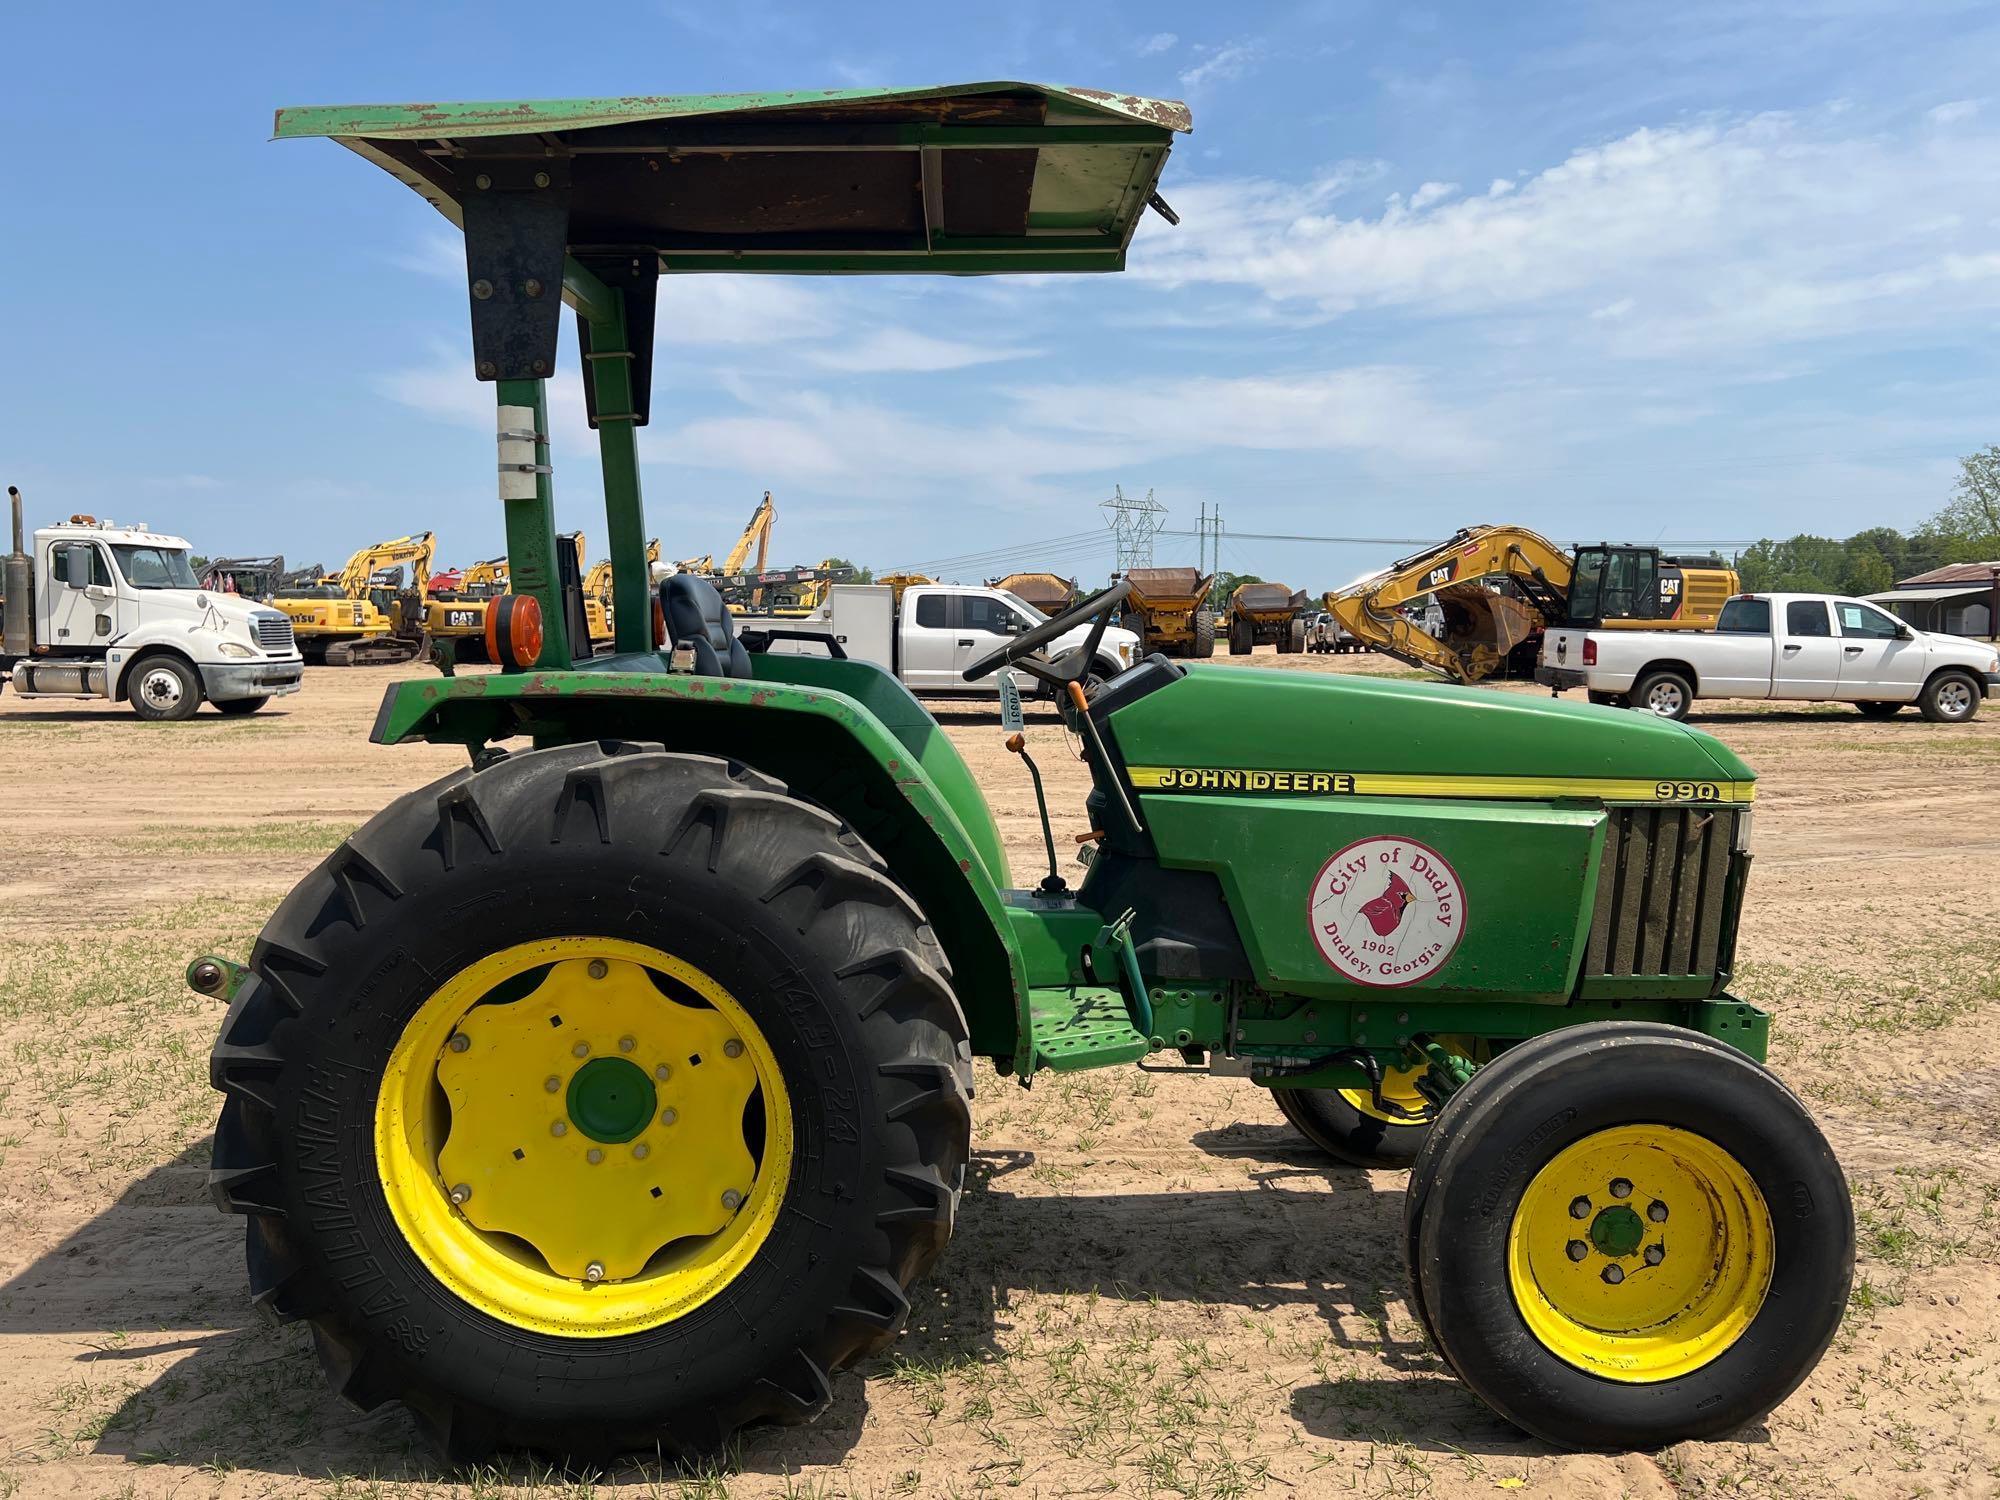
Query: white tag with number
<point x="1011" y="718"/>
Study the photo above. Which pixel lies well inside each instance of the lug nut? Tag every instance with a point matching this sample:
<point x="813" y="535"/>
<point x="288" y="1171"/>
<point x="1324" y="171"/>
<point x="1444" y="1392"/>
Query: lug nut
<point x="641" y="1151"/>
<point x="1579" y="1208"/>
<point x="552" y="1084"/>
<point x="626" y="1044"/>
<point x="1621" y="1187"/>
<point x="732" y="1048"/>
<point x="460" y="1193"/>
<point x="593" y="1156"/>
<point x="1577" y="1249"/>
<point x="561" y="1127"/>
<point x="460" y="1042"/>
<point x="598" y="968"/>
<point x="663" y="1072"/>
<point x="668" y="1116"/>
<point x="1655" y="1254"/>
<point x="594" y="1271"/>
<point x="1613" y="1275"/>
<point x="1657" y="1211"/>
<point x="581" y="1049"/>
<point x="731" y="1199"/>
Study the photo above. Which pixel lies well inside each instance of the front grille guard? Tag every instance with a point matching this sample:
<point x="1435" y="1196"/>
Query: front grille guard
<point x="1669" y="893"/>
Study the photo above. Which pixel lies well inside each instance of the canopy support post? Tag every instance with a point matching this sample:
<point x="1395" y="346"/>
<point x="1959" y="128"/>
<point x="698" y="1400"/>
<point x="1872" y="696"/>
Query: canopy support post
<point x="617" y="394"/>
<point x="527" y="496"/>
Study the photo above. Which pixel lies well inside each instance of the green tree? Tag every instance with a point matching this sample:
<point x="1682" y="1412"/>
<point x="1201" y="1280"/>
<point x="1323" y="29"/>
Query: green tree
<point x="1226" y="584"/>
<point x="861" y="575"/>
<point x="1969" y="524"/>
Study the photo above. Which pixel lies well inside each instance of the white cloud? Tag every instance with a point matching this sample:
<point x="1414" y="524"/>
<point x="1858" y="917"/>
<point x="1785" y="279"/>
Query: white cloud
<point x="903" y="349"/>
<point x="1500" y="185"/>
<point x="1955" y="112"/>
<point x="1222" y="64"/>
<point x="1158" y="42"/>
<point x="1431" y="192"/>
<point x="1773" y="227"/>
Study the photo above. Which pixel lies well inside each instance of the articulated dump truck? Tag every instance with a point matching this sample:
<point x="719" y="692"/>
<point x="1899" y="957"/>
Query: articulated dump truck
<point x="1168" y="607"/>
<point x="613" y="1090"/>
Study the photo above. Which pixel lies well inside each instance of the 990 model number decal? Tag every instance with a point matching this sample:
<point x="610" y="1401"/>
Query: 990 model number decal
<point x="1688" y="791"/>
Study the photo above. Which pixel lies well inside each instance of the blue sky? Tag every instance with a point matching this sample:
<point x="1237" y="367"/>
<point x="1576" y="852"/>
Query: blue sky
<point x="1683" y="272"/>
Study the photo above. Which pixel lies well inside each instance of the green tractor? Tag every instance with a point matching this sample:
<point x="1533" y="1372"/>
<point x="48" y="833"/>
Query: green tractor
<point x="612" y="1092"/>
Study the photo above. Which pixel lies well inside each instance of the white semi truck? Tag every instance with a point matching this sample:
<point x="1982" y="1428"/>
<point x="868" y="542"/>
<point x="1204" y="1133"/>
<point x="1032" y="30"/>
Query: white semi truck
<point x="98" y="610"/>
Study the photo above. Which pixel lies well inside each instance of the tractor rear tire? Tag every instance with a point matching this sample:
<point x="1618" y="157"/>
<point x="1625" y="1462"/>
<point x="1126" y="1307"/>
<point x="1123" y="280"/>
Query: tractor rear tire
<point x="670" y="898"/>
<point x="1640" y="1157"/>
<point x="1345" y="1124"/>
<point x="1204" y="634"/>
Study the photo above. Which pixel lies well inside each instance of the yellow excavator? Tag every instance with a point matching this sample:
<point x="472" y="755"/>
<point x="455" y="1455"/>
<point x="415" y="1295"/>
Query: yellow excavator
<point x="597" y="594"/>
<point x="355" y="619"/>
<point x="1494" y="589"/>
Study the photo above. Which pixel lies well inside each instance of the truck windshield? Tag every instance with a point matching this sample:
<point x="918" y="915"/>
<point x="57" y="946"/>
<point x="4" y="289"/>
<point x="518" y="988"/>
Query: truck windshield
<point x="155" y="567"/>
<point x="1035" y="616"/>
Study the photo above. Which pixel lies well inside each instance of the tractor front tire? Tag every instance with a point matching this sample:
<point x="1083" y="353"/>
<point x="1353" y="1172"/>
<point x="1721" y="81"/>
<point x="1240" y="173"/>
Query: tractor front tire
<point x="1628" y="1235"/>
<point x="1204" y="634"/>
<point x="600" y="1099"/>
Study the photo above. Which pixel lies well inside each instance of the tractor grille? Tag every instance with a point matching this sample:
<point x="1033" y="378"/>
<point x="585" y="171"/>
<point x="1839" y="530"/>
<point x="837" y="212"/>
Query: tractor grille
<point x="1667" y="899"/>
<point x="274" y="632"/>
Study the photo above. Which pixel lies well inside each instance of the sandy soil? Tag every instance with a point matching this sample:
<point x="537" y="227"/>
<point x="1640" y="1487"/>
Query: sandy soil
<point x="1155" y="1288"/>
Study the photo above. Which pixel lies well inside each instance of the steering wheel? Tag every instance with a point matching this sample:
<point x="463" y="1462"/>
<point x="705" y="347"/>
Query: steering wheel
<point x="1025" y="650"/>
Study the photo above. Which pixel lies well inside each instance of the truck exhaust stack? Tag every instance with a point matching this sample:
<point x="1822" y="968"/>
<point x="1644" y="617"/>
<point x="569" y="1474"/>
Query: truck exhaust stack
<point x="17" y="590"/>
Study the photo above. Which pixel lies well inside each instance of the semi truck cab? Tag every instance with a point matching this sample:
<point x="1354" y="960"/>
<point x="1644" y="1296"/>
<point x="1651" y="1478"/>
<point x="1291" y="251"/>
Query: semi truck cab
<point x="97" y="610"/>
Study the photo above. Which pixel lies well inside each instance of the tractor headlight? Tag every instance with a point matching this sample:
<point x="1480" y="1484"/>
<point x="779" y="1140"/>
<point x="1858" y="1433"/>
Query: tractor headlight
<point x="235" y="648"/>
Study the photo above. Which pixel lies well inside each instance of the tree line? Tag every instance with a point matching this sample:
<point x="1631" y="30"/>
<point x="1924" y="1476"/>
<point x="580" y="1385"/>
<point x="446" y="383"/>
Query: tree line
<point x="1967" y="529"/>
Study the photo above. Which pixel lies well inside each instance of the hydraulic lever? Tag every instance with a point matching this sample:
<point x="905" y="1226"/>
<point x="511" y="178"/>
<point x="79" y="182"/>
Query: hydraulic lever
<point x="1052" y="884"/>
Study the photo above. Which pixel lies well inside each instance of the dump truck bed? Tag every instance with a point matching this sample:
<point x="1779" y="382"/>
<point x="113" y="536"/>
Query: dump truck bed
<point x="1167" y="588"/>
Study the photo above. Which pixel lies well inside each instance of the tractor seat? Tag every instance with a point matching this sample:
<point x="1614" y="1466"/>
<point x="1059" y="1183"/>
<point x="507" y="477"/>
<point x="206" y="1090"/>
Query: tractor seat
<point x="697" y="617"/>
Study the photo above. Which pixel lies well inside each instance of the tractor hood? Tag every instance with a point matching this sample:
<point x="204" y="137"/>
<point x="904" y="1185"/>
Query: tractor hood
<point x="1453" y="741"/>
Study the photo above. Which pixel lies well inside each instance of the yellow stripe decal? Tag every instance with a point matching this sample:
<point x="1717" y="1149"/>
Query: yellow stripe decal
<point x="1315" y="783"/>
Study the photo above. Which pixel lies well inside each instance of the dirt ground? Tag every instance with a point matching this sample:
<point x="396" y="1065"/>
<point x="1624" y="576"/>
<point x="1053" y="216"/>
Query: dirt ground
<point x="1155" y="1288"/>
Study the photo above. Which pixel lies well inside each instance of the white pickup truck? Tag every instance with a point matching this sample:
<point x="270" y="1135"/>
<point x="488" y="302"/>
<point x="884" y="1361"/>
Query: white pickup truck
<point x="1803" y="647"/>
<point x="98" y="610"/>
<point x="936" y="632"/>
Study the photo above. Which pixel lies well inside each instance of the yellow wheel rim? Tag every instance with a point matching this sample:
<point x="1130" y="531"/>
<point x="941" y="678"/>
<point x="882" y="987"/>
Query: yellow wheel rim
<point x="1399" y="1087"/>
<point x="583" y="1136"/>
<point x="1640" y="1253"/>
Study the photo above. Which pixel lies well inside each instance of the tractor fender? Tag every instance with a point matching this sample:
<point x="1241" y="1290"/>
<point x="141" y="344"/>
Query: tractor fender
<point x="872" y="756"/>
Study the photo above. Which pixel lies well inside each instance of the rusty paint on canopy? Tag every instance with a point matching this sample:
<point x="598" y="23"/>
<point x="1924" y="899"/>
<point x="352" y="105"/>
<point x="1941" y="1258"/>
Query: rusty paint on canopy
<point x="432" y="121"/>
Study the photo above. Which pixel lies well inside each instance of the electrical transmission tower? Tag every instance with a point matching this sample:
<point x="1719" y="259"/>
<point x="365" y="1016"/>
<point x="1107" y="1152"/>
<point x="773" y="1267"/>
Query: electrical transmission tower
<point x="1208" y="536"/>
<point x="1134" y="523"/>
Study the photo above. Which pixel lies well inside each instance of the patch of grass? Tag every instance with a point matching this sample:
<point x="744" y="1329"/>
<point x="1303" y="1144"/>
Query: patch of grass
<point x="287" y="836"/>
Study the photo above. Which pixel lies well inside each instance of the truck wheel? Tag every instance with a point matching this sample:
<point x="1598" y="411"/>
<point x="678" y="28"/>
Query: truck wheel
<point x="1240" y="638"/>
<point x="1951" y="698"/>
<point x="1875" y="708"/>
<point x="1293" y="640"/>
<point x="1204" y="633"/>
<point x="163" y="688"/>
<point x="240" y="708"/>
<point x="1667" y="694"/>
<point x="596" y="1100"/>
<point x="1630" y="1236"/>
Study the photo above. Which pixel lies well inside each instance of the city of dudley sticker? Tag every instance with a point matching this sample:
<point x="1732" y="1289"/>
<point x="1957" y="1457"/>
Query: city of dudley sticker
<point x="1387" y="911"/>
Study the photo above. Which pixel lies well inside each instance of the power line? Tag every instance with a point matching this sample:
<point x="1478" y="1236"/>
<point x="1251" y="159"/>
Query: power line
<point x="1419" y="541"/>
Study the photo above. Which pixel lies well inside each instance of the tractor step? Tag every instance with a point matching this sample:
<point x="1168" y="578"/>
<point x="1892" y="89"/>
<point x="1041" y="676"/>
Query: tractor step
<point x="1085" y="1026"/>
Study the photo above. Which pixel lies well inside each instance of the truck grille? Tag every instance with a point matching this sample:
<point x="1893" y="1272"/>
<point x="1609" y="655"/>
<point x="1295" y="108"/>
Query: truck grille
<point x="1667" y="898"/>
<point x="274" y="632"/>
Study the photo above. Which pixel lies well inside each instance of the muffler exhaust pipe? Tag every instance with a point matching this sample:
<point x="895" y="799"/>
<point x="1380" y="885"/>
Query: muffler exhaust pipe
<point x="17" y="590"/>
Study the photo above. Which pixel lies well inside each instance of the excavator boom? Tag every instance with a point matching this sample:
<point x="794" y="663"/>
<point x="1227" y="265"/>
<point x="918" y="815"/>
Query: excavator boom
<point x="757" y="534"/>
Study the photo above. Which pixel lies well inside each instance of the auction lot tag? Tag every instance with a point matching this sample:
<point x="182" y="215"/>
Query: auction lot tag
<point x="1387" y="911"/>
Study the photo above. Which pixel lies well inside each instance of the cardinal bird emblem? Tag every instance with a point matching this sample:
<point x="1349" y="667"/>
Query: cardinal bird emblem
<point x="1385" y="912"/>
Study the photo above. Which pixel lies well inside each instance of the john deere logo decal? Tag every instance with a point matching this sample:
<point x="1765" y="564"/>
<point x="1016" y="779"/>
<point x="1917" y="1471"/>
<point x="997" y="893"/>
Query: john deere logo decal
<point x="1387" y="911"/>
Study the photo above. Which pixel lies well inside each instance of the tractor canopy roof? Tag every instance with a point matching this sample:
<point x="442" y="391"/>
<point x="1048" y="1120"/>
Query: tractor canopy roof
<point x="956" y="178"/>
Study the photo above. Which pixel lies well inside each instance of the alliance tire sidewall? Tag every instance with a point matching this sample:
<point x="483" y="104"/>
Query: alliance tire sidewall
<point x="1502" y="1142"/>
<point x="326" y="1109"/>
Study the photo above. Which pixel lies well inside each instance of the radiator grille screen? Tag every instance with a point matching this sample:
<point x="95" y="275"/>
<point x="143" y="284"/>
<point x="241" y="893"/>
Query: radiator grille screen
<point x="1665" y="903"/>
